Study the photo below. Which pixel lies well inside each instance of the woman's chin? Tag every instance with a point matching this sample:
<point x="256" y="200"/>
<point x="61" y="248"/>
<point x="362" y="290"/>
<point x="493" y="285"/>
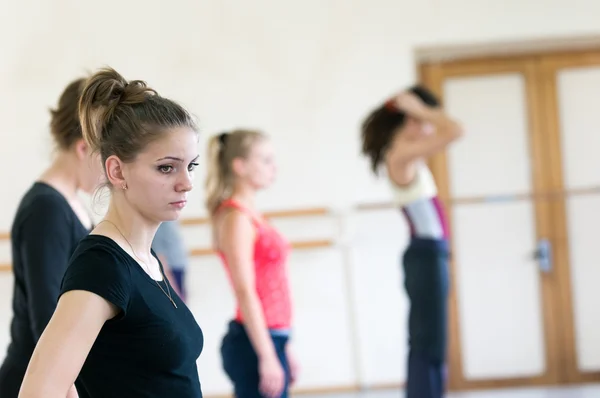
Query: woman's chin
<point x="171" y="215"/>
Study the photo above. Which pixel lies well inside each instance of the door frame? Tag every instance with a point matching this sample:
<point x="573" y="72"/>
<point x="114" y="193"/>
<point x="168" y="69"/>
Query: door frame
<point x="433" y="76"/>
<point x="549" y="66"/>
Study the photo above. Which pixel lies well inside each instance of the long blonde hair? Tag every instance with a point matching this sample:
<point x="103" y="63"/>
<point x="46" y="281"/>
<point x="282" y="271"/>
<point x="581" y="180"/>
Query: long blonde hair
<point x="222" y="150"/>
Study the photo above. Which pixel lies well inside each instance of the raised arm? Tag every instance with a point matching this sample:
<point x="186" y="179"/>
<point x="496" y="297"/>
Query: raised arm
<point x="236" y="241"/>
<point x="447" y="130"/>
<point x="65" y="344"/>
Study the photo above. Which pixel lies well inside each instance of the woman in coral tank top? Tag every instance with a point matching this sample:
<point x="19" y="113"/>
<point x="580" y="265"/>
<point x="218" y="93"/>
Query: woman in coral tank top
<point x="255" y="351"/>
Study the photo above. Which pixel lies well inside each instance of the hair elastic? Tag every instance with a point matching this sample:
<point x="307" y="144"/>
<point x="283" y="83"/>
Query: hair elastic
<point x="223" y="138"/>
<point x="390" y="105"/>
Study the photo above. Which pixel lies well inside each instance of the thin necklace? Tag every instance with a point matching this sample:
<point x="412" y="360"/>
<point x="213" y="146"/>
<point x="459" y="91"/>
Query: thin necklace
<point x="147" y="268"/>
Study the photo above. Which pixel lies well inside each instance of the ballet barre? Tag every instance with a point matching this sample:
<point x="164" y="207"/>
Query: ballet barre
<point x="5" y="267"/>
<point x="317" y="211"/>
<point x="298" y="245"/>
<point x="376" y="206"/>
<point x="549" y="195"/>
<point x="497" y="198"/>
<point x="202" y="251"/>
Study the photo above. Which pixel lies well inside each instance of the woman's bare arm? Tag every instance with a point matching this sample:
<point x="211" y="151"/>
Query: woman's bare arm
<point x="73" y="392"/>
<point x="447" y="130"/>
<point x="64" y="345"/>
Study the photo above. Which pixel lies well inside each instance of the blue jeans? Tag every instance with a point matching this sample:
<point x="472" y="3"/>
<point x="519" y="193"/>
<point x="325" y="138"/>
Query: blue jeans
<point x="241" y="363"/>
<point x="426" y="281"/>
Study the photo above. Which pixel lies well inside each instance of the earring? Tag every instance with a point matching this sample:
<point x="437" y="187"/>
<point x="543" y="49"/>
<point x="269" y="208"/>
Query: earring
<point x="124" y="186"/>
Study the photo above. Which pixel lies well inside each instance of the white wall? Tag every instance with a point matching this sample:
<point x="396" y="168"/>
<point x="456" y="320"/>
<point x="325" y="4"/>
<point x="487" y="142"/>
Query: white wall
<point x="306" y="72"/>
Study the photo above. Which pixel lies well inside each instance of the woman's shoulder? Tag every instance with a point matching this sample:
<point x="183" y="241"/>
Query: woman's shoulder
<point x="98" y="249"/>
<point x="97" y="266"/>
<point x="234" y="217"/>
<point x="42" y="204"/>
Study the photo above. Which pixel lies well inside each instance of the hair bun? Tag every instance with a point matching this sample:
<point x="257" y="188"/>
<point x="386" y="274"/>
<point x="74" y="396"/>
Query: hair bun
<point x="101" y="97"/>
<point x="121" y="118"/>
<point x="135" y="91"/>
<point x="111" y="89"/>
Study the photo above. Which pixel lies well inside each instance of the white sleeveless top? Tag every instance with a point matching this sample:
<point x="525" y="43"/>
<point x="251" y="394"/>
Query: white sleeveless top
<point x="421" y="187"/>
<point x="421" y="206"/>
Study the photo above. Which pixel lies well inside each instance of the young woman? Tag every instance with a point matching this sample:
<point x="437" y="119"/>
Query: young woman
<point x="118" y="327"/>
<point x="49" y="223"/>
<point x="402" y="134"/>
<point x="255" y="351"/>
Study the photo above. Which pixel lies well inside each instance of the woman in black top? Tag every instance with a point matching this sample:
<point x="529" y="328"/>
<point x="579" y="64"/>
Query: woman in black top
<point x="49" y="223"/>
<point x="119" y="328"/>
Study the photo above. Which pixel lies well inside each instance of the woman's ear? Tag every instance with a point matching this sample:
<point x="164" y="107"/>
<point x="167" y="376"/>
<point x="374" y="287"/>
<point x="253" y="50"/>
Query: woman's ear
<point x="238" y="166"/>
<point x="81" y="149"/>
<point x="114" y="172"/>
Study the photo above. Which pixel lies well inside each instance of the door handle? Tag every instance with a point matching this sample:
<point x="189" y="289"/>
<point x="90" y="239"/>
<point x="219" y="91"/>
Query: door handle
<point x="543" y="255"/>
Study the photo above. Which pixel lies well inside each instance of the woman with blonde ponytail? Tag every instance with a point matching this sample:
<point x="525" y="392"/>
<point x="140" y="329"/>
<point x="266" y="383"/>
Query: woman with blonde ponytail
<point x="119" y="328"/>
<point x="255" y="351"/>
<point x="216" y="185"/>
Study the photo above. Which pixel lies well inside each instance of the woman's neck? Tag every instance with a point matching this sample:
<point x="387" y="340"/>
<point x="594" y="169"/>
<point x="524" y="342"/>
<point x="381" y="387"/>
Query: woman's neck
<point x="245" y="196"/>
<point x="62" y="176"/>
<point x="121" y="222"/>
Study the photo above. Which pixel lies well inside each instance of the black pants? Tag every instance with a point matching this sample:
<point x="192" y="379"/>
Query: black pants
<point x="241" y="363"/>
<point x="426" y="281"/>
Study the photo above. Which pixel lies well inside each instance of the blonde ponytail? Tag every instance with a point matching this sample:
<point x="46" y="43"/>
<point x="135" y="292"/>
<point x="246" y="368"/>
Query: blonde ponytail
<point x="222" y="150"/>
<point x="215" y="186"/>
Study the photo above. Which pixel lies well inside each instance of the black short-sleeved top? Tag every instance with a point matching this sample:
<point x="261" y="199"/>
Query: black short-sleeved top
<point x="150" y="349"/>
<point x="44" y="235"/>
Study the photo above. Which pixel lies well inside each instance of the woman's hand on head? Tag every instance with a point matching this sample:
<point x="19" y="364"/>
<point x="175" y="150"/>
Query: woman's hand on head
<point x="411" y="104"/>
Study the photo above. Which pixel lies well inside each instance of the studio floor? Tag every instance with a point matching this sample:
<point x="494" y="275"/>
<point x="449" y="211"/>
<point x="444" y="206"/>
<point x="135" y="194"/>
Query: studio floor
<point x="582" y="391"/>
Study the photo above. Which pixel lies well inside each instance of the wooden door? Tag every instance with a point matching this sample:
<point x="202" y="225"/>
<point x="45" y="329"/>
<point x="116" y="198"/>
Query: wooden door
<point x="571" y="94"/>
<point x="503" y="317"/>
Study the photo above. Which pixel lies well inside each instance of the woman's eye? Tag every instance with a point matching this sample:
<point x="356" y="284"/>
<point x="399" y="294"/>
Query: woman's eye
<point x="192" y="166"/>
<point x="165" y="169"/>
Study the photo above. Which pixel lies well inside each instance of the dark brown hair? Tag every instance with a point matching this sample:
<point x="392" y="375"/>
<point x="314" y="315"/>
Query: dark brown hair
<point x="381" y="125"/>
<point x="64" y="119"/>
<point x="120" y="117"/>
